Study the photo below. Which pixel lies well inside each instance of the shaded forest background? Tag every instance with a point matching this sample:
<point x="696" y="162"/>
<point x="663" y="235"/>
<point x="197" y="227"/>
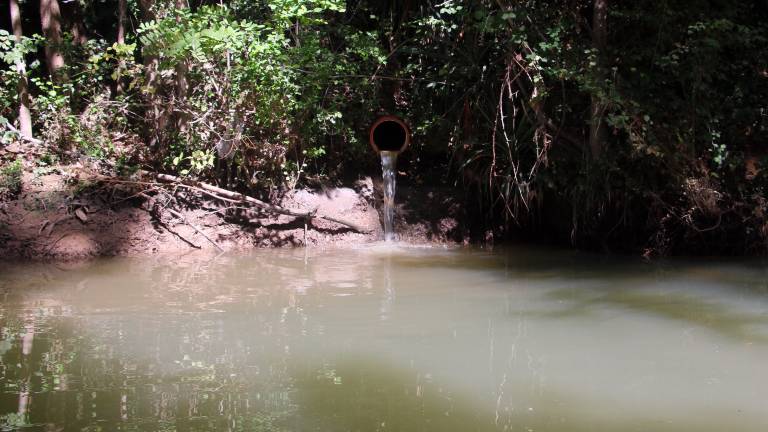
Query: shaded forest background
<point x="637" y="126"/>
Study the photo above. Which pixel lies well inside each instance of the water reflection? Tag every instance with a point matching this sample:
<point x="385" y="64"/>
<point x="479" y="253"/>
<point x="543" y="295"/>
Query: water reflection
<point x="384" y="338"/>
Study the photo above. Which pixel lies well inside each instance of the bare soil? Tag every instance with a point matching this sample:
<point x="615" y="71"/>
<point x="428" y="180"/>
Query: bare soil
<point x="74" y="213"/>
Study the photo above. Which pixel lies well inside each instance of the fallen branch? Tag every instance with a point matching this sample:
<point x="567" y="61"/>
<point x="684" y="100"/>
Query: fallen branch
<point x="23" y="137"/>
<point x="185" y="221"/>
<point x="225" y="194"/>
<point x="194" y="227"/>
<point x="153" y="207"/>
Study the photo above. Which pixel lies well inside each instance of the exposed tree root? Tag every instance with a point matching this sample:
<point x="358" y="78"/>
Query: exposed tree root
<point x="227" y="195"/>
<point x="186" y="222"/>
<point x="231" y="197"/>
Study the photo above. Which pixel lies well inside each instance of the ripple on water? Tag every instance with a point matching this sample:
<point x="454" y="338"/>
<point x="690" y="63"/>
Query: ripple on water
<point x="387" y="336"/>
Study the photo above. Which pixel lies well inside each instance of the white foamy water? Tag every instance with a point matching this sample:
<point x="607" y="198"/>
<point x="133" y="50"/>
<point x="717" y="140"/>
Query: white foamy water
<point x="388" y="173"/>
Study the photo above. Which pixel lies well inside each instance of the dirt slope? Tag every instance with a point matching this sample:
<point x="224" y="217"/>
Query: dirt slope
<point x="76" y="214"/>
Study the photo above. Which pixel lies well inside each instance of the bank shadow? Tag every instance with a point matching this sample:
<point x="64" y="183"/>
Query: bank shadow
<point x="428" y="213"/>
<point x="726" y="320"/>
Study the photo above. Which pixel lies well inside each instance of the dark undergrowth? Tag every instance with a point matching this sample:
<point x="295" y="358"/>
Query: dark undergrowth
<point x="637" y="127"/>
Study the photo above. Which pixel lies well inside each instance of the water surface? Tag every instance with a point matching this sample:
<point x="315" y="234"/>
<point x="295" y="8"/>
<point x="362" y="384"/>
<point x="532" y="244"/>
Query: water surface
<point x="385" y="338"/>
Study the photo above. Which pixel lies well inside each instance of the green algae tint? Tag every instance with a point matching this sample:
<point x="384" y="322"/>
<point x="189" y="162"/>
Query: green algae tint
<point x="384" y="338"/>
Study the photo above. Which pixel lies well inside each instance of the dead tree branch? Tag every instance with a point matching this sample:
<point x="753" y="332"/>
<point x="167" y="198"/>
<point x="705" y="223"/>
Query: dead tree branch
<point x="227" y="195"/>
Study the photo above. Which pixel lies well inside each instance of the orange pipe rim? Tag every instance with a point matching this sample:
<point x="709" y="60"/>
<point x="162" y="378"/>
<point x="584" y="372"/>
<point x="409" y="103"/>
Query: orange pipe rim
<point x="390" y="118"/>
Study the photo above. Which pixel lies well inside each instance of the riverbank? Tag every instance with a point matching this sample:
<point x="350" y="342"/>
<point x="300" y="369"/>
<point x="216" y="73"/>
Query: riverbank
<point x="74" y="212"/>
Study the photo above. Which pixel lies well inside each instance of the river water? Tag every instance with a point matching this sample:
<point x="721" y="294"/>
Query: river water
<point x="385" y="338"/>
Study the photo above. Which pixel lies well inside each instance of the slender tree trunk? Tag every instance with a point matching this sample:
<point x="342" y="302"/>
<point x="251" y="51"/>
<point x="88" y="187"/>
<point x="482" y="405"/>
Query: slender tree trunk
<point x="181" y="77"/>
<point x="122" y="7"/>
<point x="597" y="129"/>
<point x="25" y="118"/>
<point x="155" y="118"/>
<point x="50" y="18"/>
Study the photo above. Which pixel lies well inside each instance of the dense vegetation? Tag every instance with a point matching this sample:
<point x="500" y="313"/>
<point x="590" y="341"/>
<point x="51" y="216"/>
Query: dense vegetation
<point x="634" y="125"/>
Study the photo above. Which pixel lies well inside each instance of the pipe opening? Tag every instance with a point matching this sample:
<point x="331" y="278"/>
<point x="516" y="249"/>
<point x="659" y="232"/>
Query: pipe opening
<point x="389" y="133"/>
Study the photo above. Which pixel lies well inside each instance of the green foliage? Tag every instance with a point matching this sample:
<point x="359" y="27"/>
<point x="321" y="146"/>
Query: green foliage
<point x="198" y="162"/>
<point x="14" y="420"/>
<point x="51" y="108"/>
<point x="500" y="95"/>
<point x="89" y="132"/>
<point x="116" y="62"/>
<point x="256" y="90"/>
<point x="238" y="91"/>
<point x="10" y="179"/>
<point x="509" y="87"/>
<point x="11" y="53"/>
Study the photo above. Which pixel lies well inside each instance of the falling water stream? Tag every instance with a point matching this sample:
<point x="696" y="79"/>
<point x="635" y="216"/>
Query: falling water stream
<point x="388" y="164"/>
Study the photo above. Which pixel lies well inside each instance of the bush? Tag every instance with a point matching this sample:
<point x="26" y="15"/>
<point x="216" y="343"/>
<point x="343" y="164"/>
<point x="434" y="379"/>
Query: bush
<point x="10" y="179"/>
<point x="255" y="93"/>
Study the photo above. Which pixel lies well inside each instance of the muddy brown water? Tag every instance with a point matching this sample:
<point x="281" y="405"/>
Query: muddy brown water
<point x="385" y="338"/>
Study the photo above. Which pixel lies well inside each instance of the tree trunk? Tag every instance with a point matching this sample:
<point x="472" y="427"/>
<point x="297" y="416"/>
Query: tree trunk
<point x="25" y="118"/>
<point x="122" y="7"/>
<point x="181" y="78"/>
<point x="155" y="118"/>
<point x="597" y="129"/>
<point x="72" y="13"/>
<point x="50" y="18"/>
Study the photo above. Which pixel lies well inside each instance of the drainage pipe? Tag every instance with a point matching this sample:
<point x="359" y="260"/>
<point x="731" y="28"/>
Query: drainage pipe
<point x="389" y="133"/>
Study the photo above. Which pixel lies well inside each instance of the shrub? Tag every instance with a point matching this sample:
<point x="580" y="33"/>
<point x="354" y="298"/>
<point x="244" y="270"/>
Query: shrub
<point x="10" y="179"/>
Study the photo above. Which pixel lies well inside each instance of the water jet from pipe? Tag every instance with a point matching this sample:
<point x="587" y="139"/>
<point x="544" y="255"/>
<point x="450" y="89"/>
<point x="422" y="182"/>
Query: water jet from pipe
<point x="389" y="135"/>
